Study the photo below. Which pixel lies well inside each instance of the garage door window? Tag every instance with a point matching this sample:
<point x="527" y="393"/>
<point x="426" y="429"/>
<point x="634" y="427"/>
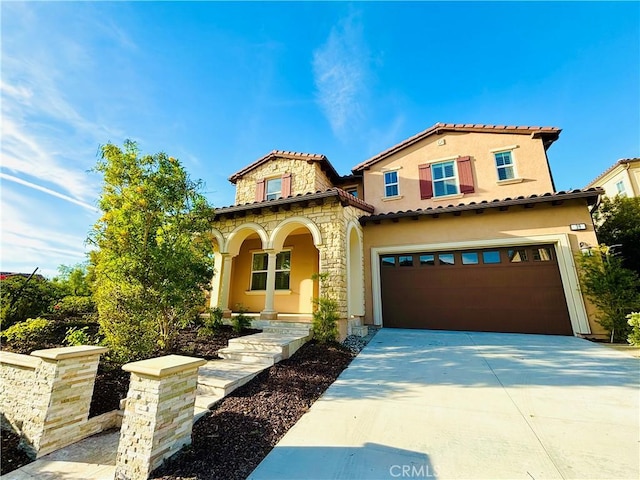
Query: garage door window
<point x="427" y="259"/>
<point x="491" y="256"/>
<point x="389" y="261"/>
<point x="446" y="259"/>
<point x="516" y="256"/>
<point x="542" y="254"/>
<point x="405" y="260"/>
<point x="469" y="258"/>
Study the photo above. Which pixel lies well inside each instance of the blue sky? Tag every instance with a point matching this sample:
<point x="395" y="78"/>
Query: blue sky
<point x="218" y="85"/>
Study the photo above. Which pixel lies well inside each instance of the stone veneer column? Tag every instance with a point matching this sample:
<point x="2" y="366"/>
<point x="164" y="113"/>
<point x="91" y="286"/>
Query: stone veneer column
<point x="269" y="312"/>
<point x="226" y="284"/>
<point x="62" y="394"/>
<point x="158" y="415"/>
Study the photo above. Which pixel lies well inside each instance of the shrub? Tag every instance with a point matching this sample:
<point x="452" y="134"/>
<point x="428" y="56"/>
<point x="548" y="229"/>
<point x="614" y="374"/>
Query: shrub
<point x="73" y="305"/>
<point x="325" y="315"/>
<point x="22" y="300"/>
<point x="633" y="319"/>
<point x="76" y="336"/>
<point x="610" y="287"/>
<point x="241" y="321"/>
<point x="28" y="335"/>
<point x="213" y="324"/>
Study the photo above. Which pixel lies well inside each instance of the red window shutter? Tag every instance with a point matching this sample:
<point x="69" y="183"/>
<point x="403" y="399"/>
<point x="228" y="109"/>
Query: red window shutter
<point x="286" y="185"/>
<point x="465" y="174"/>
<point x="426" y="183"/>
<point x="260" y="190"/>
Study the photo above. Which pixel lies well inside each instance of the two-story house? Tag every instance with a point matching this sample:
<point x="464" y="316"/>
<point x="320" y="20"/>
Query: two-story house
<point x="622" y="178"/>
<point x="456" y="228"/>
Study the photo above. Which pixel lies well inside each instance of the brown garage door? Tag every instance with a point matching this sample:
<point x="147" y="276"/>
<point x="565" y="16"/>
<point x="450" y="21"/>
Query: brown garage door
<point x="516" y="289"/>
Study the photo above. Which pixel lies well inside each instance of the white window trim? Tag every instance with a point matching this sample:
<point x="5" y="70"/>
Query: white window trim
<point x="254" y="252"/>
<point x="384" y="184"/>
<point x="516" y="178"/>
<point x="451" y="158"/>
<point x="504" y="149"/>
<point x="456" y="176"/>
<point x="564" y="255"/>
<point x="266" y="188"/>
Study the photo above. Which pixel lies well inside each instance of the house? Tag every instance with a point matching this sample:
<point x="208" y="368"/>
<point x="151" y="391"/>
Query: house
<point x="458" y="227"/>
<point x="622" y="178"/>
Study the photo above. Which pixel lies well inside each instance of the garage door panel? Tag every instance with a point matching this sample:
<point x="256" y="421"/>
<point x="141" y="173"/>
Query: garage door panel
<point x="525" y="296"/>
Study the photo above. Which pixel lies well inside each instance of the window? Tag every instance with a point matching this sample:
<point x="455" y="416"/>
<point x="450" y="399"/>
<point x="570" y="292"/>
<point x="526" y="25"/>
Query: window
<point x="491" y="257"/>
<point x="516" y="256"/>
<point x="542" y="254"/>
<point x="388" y="261"/>
<point x="405" y="260"/>
<point x="274" y="189"/>
<point x="259" y="271"/>
<point x="620" y="188"/>
<point x="446" y="259"/>
<point x="470" y="258"/>
<point x="504" y="164"/>
<point x="352" y="191"/>
<point x="427" y="259"/>
<point x="391" y="184"/>
<point x="445" y="181"/>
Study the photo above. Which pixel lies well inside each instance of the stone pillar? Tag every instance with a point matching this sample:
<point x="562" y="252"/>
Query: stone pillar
<point x="226" y="284"/>
<point x="269" y="312"/>
<point x="62" y="393"/>
<point x="158" y="415"/>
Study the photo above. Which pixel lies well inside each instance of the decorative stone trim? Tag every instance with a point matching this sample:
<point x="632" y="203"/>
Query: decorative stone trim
<point x="158" y="414"/>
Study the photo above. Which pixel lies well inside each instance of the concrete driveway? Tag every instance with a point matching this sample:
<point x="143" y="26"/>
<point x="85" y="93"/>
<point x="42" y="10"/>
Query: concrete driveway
<point x="439" y="405"/>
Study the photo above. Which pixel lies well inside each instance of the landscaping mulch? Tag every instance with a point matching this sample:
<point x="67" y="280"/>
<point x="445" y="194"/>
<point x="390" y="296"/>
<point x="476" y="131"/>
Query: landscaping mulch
<point x="12" y="456"/>
<point x="241" y="429"/>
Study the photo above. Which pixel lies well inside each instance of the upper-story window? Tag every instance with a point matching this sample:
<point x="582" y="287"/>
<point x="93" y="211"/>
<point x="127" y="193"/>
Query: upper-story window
<point x="620" y="188"/>
<point x="445" y="179"/>
<point x="274" y="188"/>
<point x="352" y="191"/>
<point x="391" y="185"/>
<point x="504" y="164"/>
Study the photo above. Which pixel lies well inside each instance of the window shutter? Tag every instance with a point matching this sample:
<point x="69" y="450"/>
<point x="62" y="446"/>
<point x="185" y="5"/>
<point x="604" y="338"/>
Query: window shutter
<point x="286" y="185"/>
<point x="260" y="190"/>
<point x="465" y="174"/>
<point x="426" y="184"/>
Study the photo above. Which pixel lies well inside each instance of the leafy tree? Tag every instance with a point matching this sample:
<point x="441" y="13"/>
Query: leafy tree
<point x="153" y="260"/>
<point x="618" y="223"/>
<point x="610" y="287"/>
<point x="74" y="280"/>
<point x="22" y="299"/>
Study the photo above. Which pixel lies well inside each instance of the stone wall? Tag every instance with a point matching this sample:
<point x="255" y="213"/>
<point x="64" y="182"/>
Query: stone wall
<point x="305" y="178"/>
<point x="46" y="396"/>
<point x="158" y="414"/>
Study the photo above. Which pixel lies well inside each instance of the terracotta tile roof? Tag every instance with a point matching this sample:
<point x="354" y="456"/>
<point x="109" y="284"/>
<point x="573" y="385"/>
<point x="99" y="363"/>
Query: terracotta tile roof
<point x="310" y="157"/>
<point x="344" y="197"/>
<point x="548" y="134"/>
<point x="622" y="161"/>
<point x="590" y="194"/>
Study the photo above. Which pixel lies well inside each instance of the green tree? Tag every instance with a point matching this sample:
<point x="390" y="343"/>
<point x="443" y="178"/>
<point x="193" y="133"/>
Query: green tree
<point x="153" y="260"/>
<point x="618" y="223"/>
<point x="22" y="299"/>
<point x="612" y="288"/>
<point x="74" y="280"/>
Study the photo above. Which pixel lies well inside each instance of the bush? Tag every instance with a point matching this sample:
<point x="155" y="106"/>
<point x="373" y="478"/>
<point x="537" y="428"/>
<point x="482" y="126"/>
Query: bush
<point x="633" y="319"/>
<point x="325" y="315"/>
<point x="28" y="335"/>
<point x="240" y="321"/>
<point x="212" y="325"/>
<point x="74" y="306"/>
<point x="78" y="336"/>
<point x="22" y="300"/>
<point x="610" y="287"/>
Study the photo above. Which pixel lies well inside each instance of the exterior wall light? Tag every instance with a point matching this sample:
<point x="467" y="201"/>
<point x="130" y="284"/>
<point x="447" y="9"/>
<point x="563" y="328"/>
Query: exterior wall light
<point x="586" y="249"/>
<point x="577" y="226"/>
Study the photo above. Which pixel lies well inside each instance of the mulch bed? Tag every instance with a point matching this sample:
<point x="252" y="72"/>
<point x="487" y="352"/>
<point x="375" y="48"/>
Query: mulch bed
<point x="12" y="457"/>
<point x="241" y="430"/>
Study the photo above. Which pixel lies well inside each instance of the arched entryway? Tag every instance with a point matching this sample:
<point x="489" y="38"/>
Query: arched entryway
<point x="355" y="271"/>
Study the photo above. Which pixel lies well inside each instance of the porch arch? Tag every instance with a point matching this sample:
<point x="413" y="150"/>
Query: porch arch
<point x="355" y="272"/>
<point x="284" y="228"/>
<point x="219" y="239"/>
<point x="240" y="234"/>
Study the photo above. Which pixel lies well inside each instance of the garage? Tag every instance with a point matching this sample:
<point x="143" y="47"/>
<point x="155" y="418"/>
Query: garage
<point x="510" y="289"/>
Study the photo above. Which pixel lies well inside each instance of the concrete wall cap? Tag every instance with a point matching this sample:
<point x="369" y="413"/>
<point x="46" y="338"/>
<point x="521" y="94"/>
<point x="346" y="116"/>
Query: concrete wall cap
<point x="19" y="360"/>
<point x="69" y="352"/>
<point x="163" y="366"/>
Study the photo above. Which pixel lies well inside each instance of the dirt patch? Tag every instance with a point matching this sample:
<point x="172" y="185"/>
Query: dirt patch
<point x="12" y="457"/>
<point x="241" y="430"/>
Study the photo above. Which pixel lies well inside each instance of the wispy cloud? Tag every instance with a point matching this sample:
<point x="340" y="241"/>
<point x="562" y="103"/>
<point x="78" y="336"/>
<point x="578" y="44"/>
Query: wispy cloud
<point x="341" y="71"/>
<point x="48" y="191"/>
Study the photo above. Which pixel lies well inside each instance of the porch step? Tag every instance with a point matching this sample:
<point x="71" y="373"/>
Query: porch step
<point x="265" y="359"/>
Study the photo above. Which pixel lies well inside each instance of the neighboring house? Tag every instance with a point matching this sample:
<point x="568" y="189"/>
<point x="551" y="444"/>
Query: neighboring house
<point x="622" y="178"/>
<point x="454" y="228"/>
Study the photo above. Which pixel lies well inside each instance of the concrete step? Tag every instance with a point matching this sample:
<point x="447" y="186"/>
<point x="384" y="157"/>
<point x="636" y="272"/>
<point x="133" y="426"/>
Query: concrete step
<point x="267" y="342"/>
<point x="287" y="330"/>
<point x="266" y="359"/>
<point x="221" y="377"/>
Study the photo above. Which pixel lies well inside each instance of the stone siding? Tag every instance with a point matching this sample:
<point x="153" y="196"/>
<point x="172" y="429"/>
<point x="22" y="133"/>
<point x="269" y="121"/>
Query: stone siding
<point x="305" y="178"/>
